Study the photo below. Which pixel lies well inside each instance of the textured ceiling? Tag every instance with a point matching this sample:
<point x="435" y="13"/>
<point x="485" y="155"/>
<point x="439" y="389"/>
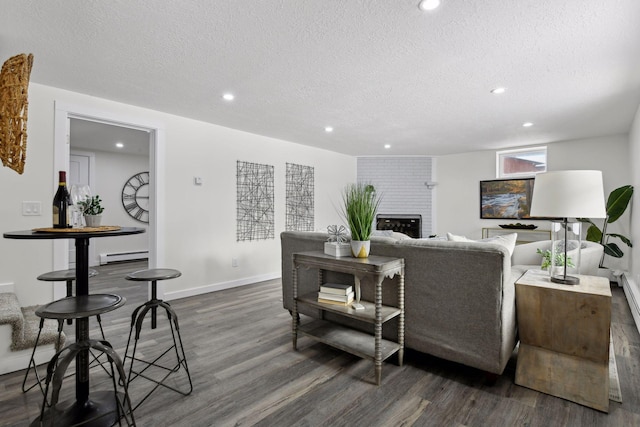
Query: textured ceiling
<point x="85" y="135"/>
<point x="378" y="71"/>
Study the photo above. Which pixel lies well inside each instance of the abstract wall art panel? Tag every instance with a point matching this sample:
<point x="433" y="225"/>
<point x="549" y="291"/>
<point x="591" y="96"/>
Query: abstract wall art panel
<point x="300" y="198"/>
<point x="255" y="200"/>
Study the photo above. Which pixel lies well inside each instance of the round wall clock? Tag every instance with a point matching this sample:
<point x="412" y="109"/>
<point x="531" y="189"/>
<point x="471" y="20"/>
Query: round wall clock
<point x="135" y="197"/>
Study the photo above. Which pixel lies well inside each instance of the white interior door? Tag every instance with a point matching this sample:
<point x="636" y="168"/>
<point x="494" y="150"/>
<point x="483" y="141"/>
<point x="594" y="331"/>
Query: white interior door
<point x="79" y="174"/>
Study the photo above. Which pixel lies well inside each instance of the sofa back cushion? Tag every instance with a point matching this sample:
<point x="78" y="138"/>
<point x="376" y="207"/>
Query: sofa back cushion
<point x="506" y="240"/>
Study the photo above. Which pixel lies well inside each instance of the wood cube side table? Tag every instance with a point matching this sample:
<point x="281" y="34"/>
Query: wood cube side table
<point x="564" y="337"/>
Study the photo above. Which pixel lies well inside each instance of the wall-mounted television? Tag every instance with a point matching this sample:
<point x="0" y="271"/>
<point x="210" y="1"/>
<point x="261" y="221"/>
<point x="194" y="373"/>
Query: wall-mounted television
<point x="506" y="198"/>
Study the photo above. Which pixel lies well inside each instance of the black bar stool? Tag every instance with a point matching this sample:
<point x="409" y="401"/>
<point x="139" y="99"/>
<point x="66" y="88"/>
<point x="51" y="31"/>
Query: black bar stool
<point x="64" y="276"/>
<point x="53" y="276"/>
<point x="137" y="317"/>
<point x="118" y="402"/>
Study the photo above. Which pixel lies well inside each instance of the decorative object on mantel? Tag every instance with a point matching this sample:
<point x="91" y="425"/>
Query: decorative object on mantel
<point x="336" y="244"/>
<point x="14" y="84"/>
<point x="360" y="206"/>
<point x="518" y="226"/>
<point x="92" y="210"/>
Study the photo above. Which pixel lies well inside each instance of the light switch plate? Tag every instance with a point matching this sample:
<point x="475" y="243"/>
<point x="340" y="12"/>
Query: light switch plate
<point x="31" y="208"/>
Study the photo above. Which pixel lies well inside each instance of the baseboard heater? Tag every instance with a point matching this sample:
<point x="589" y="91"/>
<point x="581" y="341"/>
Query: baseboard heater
<point x="632" y="293"/>
<point x="123" y="256"/>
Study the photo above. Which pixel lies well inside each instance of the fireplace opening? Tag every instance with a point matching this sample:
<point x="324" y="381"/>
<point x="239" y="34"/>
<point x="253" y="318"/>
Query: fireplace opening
<point x="411" y="225"/>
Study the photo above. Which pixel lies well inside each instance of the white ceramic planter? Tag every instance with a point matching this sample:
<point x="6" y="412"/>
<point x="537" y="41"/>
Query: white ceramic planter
<point x="92" y="220"/>
<point x="360" y="249"/>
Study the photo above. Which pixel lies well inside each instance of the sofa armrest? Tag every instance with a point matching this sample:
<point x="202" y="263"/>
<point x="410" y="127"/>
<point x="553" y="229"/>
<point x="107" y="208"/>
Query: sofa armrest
<point x="590" y="254"/>
<point x="526" y="254"/>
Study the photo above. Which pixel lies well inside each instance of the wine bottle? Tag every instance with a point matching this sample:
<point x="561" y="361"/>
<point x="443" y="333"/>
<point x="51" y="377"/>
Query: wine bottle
<point x="61" y="203"/>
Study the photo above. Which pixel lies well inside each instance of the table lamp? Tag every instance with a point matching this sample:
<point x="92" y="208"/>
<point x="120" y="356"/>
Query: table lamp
<point x="564" y="195"/>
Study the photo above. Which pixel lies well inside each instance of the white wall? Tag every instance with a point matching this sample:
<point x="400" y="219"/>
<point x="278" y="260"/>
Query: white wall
<point x="112" y="172"/>
<point x="458" y="194"/>
<point x="200" y="221"/>
<point x="632" y="162"/>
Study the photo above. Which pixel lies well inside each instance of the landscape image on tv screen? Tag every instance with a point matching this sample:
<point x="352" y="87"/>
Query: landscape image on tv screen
<point x="506" y="198"/>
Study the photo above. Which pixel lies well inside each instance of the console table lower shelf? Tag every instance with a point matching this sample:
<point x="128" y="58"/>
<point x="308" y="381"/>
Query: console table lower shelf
<point x="368" y="271"/>
<point x="346" y="339"/>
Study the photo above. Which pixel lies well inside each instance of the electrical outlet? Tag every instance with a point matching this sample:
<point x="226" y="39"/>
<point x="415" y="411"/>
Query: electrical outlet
<point x="234" y="262"/>
<point x="31" y="208"/>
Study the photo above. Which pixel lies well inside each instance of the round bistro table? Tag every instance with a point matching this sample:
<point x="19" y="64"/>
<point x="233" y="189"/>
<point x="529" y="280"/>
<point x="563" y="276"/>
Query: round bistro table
<point x="100" y="405"/>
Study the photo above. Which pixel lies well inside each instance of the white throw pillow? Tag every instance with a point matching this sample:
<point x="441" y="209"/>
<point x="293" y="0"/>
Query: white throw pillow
<point x="401" y="236"/>
<point x="506" y="240"/>
<point x="456" y="238"/>
<point x="382" y="233"/>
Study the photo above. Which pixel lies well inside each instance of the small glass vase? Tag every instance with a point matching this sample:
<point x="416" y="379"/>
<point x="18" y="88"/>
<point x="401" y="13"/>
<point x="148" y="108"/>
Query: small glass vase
<point x="565" y="233"/>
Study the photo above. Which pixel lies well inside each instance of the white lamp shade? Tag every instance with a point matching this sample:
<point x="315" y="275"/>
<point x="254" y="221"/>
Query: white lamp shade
<point x="568" y="194"/>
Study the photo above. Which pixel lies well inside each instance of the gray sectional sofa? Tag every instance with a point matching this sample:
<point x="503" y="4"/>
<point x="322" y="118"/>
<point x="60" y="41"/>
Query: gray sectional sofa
<point x="459" y="296"/>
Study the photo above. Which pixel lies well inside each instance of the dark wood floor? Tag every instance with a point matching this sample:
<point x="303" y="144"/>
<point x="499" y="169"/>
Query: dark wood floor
<point x="245" y="373"/>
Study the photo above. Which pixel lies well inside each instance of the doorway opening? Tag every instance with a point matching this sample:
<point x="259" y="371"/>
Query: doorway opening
<point x="103" y="158"/>
<point x="82" y="115"/>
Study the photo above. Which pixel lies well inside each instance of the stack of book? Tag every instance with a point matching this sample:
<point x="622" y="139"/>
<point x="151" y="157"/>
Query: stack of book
<point x="336" y="293"/>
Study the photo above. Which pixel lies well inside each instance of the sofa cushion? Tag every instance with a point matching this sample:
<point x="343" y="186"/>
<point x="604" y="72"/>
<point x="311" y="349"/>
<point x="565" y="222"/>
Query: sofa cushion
<point x="389" y="233"/>
<point x="506" y="240"/>
<point x="382" y="233"/>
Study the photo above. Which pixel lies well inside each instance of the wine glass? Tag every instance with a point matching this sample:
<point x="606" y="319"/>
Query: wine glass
<point x="79" y="193"/>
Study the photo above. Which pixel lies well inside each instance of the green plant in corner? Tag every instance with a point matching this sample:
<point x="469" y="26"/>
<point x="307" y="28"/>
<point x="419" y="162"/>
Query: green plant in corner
<point x="546" y="259"/>
<point x="616" y="205"/>
<point x="91" y="205"/>
<point x="359" y="210"/>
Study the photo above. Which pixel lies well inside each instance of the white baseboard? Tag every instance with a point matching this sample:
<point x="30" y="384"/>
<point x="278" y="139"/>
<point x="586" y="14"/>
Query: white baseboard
<point x="183" y="293"/>
<point x="632" y="292"/>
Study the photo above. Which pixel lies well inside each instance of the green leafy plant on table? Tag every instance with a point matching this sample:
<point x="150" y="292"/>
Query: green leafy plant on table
<point x="616" y="205"/>
<point x="91" y="205"/>
<point x="546" y="259"/>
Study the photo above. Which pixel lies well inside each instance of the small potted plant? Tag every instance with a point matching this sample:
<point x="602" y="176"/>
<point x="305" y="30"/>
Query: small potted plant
<point x="546" y="260"/>
<point x="360" y="207"/>
<point x="92" y="210"/>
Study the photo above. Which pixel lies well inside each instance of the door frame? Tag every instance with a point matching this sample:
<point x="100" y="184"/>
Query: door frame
<point x="62" y="115"/>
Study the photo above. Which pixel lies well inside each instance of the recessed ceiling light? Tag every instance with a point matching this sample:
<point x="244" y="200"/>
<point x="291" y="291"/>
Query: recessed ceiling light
<point x="429" y="4"/>
<point x="498" y="90"/>
<point x="387" y="146"/>
<point x="228" y="97"/>
<point x="527" y="124"/>
<point x="328" y="129"/>
<point x="119" y="145"/>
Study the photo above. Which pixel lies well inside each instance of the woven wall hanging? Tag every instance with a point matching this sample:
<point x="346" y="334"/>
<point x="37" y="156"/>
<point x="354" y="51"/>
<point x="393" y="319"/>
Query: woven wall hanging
<point x="14" y="84"/>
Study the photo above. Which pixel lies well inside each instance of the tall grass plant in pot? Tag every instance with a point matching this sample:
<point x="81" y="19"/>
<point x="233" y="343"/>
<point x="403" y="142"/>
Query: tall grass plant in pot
<point x="360" y="204"/>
